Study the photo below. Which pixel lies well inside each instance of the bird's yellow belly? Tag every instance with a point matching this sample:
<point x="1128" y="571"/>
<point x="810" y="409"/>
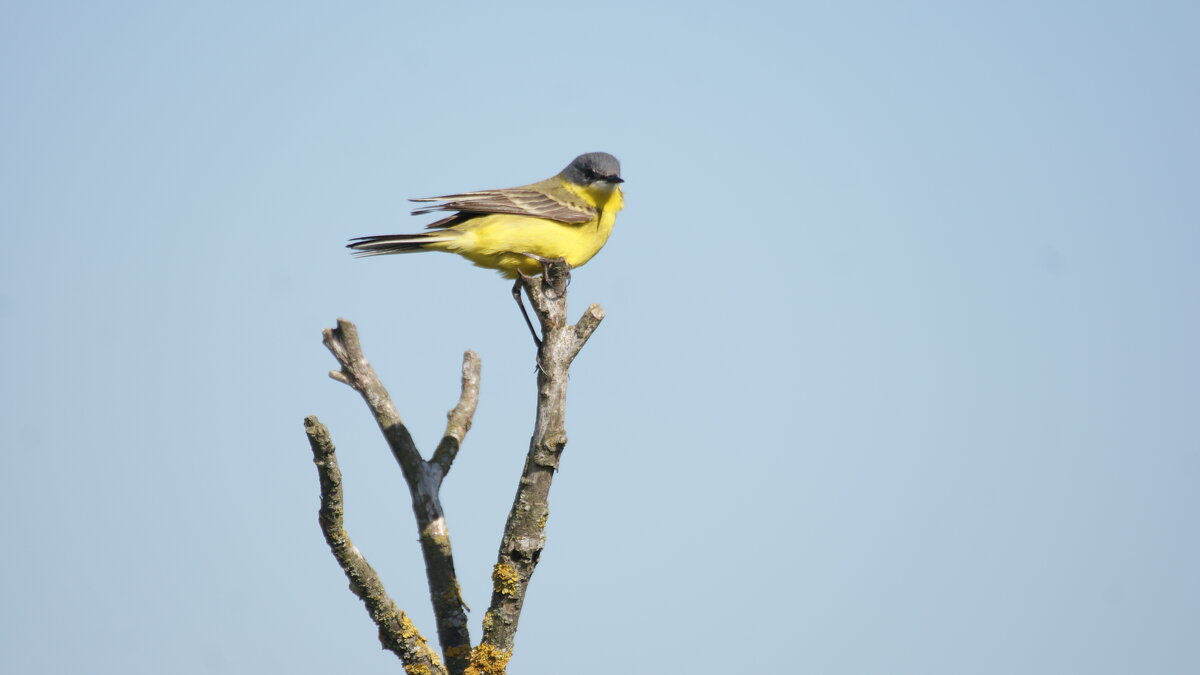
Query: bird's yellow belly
<point x="499" y="241"/>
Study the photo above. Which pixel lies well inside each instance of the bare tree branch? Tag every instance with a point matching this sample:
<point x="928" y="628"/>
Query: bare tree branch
<point x="424" y="479"/>
<point x="524" y="533"/>
<point x="396" y="632"/>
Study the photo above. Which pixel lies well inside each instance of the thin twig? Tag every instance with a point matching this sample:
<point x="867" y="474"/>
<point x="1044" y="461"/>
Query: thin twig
<point x="396" y="632"/>
<point x="458" y="420"/>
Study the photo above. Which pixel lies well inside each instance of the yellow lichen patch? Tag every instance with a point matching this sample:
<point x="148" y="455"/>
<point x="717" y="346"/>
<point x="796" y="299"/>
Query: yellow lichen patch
<point x="542" y="521"/>
<point x="504" y="579"/>
<point x="455" y="652"/>
<point x="408" y="630"/>
<point x="410" y="634"/>
<point x="487" y="621"/>
<point x="488" y="660"/>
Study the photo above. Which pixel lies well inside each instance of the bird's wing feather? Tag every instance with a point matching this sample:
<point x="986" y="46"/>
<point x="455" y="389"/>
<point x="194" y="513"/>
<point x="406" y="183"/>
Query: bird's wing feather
<point x="533" y="200"/>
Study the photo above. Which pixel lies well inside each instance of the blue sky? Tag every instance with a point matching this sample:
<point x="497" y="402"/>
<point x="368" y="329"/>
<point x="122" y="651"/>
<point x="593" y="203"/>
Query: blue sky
<point x="899" y="373"/>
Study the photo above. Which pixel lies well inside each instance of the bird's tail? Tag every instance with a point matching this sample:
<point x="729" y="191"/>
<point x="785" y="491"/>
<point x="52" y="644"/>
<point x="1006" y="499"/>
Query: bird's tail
<point x="387" y="244"/>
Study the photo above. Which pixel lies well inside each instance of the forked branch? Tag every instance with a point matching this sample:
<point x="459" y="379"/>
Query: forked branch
<point x="424" y="479"/>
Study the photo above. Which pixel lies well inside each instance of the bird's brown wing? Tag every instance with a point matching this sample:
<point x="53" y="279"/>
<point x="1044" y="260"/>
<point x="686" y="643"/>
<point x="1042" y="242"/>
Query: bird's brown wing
<point x="538" y="200"/>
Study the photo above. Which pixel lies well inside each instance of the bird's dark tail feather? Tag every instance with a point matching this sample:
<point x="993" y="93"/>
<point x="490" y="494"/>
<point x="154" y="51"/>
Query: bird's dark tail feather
<point x="387" y="244"/>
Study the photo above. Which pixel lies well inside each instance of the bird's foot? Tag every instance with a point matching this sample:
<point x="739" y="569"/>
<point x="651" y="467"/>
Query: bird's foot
<point x="556" y="271"/>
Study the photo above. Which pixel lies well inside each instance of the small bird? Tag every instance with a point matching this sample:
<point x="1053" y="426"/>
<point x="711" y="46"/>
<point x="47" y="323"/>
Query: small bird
<point x="515" y="230"/>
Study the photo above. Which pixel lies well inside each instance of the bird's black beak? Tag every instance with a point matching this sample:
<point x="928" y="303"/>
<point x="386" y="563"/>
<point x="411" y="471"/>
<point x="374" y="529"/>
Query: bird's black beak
<point x="614" y="179"/>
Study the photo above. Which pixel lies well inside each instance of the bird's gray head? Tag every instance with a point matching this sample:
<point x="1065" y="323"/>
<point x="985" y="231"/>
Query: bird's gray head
<point x="593" y="167"/>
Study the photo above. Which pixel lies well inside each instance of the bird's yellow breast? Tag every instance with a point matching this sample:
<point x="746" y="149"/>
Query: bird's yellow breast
<point x="498" y="241"/>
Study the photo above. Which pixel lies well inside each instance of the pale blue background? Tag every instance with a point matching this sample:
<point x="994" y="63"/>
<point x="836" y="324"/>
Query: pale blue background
<point x="899" y="375"/>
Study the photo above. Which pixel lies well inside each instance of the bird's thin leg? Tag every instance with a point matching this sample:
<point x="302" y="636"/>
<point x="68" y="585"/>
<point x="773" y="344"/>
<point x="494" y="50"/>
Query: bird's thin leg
<point x="516" y="291"/>
<point x="521" y="276"/>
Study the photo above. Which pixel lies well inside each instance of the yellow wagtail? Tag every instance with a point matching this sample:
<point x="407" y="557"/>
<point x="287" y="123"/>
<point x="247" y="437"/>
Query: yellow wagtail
<point x="517" y="230"/>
